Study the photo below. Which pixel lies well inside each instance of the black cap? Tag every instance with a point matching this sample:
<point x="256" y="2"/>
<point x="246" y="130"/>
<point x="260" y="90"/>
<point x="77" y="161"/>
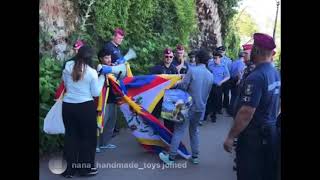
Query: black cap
<point x="217" y="53"/>
<point x="221" y="48"/>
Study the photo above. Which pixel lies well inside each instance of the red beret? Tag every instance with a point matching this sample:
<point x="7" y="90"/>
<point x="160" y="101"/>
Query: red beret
<point x="78" y="44"/>
<point x="167" y="51"/>
<point x="179" y="47"/>
<point x="264" y="41"/>
<point x="247" y="47"/>
<point x="119" y="31"/>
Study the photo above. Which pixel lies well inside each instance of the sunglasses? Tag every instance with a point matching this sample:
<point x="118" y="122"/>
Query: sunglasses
<point x="168" y="56"/>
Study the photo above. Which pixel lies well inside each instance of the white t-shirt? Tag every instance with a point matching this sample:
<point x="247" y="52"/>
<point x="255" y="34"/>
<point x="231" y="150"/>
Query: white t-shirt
<point x="83" y="90"/>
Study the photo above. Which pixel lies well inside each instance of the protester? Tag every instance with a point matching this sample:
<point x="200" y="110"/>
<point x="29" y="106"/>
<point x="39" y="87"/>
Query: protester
<point x="104" y="138"/>
<point x="198" y="76"/>
<point x="79" y="113"/>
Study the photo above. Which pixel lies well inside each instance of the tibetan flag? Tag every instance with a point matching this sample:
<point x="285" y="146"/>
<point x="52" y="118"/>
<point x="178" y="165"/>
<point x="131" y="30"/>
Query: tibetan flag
<point x="60" y="91"/>
<point x="101" y="106"/>
<point x="149" y="89"/>
<point x="139" y="95"/>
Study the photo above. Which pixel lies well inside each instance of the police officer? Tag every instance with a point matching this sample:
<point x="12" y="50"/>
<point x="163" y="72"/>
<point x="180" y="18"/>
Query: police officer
<point x="166" y="67"/>
<point x="226" y="86"/>
<point x="180" y="61"/>
<point x="236" y="72"/>
<point x="249" y="63"/>
<point x="113" y="46"/>
<point x="116" y="58"/>
<point x="220" y="75"/>
<point x="255" y="122"/>
<point x="249" y="67"/>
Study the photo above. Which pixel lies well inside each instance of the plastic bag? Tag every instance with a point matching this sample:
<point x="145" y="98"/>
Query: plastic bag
<point x="53" y="122"/>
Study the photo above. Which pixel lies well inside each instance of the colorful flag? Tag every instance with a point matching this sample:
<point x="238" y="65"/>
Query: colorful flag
<point x="140" y="94"/>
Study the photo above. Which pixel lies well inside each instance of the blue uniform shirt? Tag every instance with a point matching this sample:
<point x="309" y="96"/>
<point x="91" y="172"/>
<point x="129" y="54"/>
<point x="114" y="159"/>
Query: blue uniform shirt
<point x="115" y="51"/>
<point x="226" y="61"/>
<point x="219" y="72"/>
<point x="184" y="69"/>
<point x="261" y="90"/>
<point x="237" y="67"/>
<point x="162" y="69"/>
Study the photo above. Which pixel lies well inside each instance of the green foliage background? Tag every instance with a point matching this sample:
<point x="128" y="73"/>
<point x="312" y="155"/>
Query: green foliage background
<point x="150" y="27"/>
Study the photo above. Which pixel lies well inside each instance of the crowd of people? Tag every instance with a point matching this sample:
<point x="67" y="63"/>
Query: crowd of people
<point x="248" y="88"/>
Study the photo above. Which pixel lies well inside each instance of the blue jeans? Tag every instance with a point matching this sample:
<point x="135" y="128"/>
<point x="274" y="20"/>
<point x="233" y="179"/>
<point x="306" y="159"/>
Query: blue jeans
<point x="179" y="130"/>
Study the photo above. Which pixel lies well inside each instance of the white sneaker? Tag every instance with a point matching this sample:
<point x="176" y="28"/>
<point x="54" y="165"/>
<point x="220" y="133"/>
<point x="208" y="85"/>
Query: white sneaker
<point x="165" y="158"/>
<point x="109" y="146"/>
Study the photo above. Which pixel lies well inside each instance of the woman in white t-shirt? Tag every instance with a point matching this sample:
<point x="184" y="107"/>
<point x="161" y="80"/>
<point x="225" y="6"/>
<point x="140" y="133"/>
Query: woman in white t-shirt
<point x="79" y="113"/>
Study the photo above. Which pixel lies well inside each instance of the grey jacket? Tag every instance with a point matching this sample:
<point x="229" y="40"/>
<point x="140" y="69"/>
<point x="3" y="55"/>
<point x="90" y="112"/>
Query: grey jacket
<point x="198" y="83"/>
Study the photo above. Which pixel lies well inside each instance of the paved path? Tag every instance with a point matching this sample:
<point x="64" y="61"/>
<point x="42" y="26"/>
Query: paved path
<point x="215" y="163"/>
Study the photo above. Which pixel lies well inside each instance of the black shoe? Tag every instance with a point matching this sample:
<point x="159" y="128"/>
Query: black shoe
<point x="200" y="123"/>
<point x="116" y="130"/>
<point x="219" y="112"/>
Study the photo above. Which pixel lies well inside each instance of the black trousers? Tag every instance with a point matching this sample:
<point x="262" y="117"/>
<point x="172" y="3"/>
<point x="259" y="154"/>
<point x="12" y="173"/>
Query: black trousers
<point x="214" y="102"/>
<point x="226" y="86"/>
<point x="235" y="92"/>
<point x="80" y="135"/>
<point x="257" y="155"/>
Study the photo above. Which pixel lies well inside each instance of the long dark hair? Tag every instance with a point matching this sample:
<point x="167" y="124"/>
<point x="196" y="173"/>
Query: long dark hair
<point x="83" y="58"/>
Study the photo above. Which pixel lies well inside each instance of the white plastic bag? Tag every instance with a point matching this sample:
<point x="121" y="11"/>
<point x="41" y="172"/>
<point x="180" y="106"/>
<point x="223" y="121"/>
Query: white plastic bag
<point x="53" y="122"/>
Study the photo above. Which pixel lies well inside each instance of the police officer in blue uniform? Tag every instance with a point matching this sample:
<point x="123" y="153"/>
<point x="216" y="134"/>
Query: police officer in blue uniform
<point x="249" y="63"/>
<point x="249" y="67"/>
<point x="226" y="86"/>
<point x="179" y="60"/>
<point x="255" y="122"/>
<point x="220" y="74"/>
<point x="236" y="72"/>
<point x="116" y="58"/>
<point x="113" y="46"/>
<point x="166" y="67"/>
